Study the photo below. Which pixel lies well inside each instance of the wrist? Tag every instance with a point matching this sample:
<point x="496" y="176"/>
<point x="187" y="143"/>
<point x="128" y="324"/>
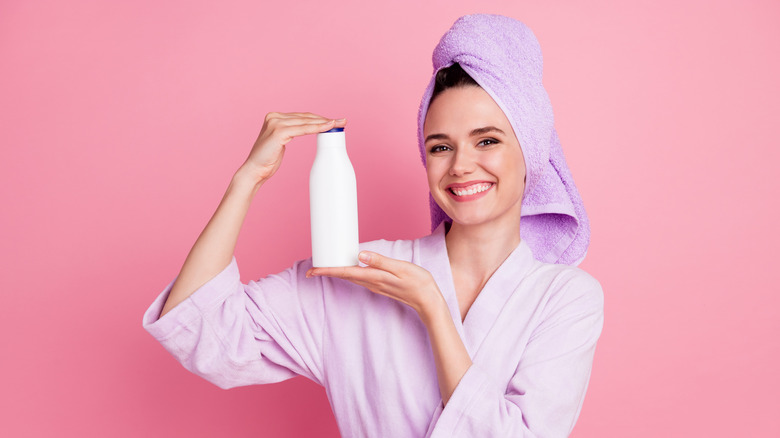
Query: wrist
<point x="246" y="176"/>
<point x="433" y="307"/>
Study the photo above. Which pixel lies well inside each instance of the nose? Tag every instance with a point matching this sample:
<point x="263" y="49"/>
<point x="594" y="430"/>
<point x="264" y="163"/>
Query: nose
<point x="462" y="162"/>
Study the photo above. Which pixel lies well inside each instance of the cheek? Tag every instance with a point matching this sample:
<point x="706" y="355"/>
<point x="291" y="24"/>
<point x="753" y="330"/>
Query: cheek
<point x="510" y="167"/>
<point x="520" y="169"/>
<point x="521" y="164"/>
<point x="434" y="173"/>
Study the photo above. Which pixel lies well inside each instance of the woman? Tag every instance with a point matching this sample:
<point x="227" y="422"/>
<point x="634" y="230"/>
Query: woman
<point x="479" y="329"/>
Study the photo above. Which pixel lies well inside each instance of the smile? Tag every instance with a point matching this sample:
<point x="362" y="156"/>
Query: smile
<point x="470" y="191"/>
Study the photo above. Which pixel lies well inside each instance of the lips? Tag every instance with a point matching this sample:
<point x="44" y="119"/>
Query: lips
<point x="469" y="190"/>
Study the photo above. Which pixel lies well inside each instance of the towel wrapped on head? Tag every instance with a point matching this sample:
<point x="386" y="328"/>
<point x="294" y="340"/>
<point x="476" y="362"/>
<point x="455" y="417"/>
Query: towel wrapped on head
<point x="503" y="56"/>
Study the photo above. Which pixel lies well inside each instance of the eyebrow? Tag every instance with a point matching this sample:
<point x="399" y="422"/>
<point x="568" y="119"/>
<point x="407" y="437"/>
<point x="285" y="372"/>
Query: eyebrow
<point x="473" y="133"/>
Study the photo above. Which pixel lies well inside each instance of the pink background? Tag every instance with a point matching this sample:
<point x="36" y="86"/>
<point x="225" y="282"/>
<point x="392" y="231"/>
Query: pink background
<point x="122" y="123"/>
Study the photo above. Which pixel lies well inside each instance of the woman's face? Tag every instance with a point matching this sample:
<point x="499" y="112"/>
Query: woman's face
<point x="476" y="169"/>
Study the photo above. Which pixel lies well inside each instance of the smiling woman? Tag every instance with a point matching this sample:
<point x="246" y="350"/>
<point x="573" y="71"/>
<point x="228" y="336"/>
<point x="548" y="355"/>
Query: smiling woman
<point x="482" y="328"/>
<point x="473" y="155"/>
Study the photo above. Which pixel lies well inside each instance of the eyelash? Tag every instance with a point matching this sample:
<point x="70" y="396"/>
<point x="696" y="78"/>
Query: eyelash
<point x="438" y="148"/>
<point x="441" y="147"/>
<point x="491" y="140"/>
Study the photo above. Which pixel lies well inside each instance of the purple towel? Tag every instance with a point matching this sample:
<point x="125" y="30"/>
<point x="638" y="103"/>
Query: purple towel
<point x="504" y="57"/>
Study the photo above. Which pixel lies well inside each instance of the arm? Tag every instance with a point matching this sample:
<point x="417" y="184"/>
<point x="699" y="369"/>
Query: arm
<point x="414" y="286"/>
<point x="213" y="250"/>
<point x="450" y="354"/>
<point x="227" y="332"/>
<point x="544" y="396"/>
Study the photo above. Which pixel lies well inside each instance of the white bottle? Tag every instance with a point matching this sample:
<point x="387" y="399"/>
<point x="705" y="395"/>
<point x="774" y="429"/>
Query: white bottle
<point x="333" y="203"/>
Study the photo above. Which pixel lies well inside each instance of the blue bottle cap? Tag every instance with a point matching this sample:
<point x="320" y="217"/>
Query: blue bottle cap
<point x="334" y="130"/>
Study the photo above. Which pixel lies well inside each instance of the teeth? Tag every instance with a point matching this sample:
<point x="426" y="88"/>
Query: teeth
<point x="476" y="188"/>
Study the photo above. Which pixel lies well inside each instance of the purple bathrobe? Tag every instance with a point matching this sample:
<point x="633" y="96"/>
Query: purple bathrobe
<point x="531" y="334"/>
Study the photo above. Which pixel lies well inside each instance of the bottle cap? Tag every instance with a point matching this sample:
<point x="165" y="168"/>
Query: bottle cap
<point x="334" y="130"/>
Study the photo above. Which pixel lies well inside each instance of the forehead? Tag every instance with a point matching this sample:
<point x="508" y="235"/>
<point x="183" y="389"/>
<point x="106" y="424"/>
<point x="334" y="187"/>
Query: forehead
<point x="462" y="109"/>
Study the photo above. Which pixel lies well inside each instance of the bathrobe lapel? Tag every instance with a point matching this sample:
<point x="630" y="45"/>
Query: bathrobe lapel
<point x="489" y="304"/>
<point x="434" y="258"/>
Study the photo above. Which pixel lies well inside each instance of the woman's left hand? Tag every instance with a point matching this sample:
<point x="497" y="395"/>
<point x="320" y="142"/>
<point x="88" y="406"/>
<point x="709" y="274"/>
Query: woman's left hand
<point x="397" y="279"/>
<point x="413" y="285"/>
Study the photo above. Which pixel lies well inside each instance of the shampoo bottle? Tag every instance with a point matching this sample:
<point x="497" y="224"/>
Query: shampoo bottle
<point x="333" y="203"/>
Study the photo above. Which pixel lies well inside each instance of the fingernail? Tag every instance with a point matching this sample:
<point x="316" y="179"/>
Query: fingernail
<point x="364" y="257"/>
<point x="308" y="273"/>
<point x="341" y="120"/>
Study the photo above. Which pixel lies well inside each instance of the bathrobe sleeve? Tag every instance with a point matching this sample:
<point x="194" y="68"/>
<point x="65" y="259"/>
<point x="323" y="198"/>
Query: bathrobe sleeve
<point x="544" y="396"/>
<point x="235" y="334"/>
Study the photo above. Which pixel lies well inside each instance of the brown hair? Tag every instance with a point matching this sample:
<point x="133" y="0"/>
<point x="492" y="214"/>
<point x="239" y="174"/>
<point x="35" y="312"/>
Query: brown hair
<point x="451" y="77"/>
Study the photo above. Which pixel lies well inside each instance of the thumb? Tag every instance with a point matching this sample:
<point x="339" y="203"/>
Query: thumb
<point x="378" y="261"/>
<point x="374" y="260"/>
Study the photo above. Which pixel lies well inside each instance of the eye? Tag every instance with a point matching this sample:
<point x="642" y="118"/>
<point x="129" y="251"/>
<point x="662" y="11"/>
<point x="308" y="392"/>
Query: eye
<point x="438" y="148"/>
<point x="487" y="142"/>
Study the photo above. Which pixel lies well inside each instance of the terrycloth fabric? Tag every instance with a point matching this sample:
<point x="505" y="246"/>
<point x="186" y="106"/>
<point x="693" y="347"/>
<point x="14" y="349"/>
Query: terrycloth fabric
<point x="505" y="59"/>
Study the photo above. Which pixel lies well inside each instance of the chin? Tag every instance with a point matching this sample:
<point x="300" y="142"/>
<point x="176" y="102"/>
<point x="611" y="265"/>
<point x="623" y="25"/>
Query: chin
<point x="469" y="219"/>
<point x="482" y="216"/>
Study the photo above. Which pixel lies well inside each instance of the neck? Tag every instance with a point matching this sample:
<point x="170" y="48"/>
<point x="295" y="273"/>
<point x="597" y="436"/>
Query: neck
<point x="480" y="249"/>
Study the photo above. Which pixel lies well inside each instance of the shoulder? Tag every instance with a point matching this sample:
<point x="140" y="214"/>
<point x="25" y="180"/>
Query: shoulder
<point x="569" y="276"/>
<point x="568" y="286"/>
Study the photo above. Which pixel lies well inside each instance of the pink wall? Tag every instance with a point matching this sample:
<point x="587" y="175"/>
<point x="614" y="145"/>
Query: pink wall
<point x="122" y="123"/>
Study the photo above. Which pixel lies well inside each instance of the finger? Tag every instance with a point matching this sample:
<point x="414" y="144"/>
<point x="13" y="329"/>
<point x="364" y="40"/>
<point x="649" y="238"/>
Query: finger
<point x="292" y="123"/>
<point x="295" y="115"/>
<point x="276" y="122"/>
<point x="294" y="118"/>
<point x="352" y="273"/>
<point x="282" y="124"/>
<point x="375" y="281"/>
<point x="311" y="116"/>
<point x="381" y="262"/>
<point x="287" y="133"/>
<point x="339" y="272"/>
<point x="303" y="115"/>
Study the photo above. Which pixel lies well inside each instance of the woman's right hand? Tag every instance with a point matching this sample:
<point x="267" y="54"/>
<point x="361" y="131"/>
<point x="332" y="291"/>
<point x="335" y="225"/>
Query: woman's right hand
<point x="215" y="246"/>
<point x="278" y="129"/>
